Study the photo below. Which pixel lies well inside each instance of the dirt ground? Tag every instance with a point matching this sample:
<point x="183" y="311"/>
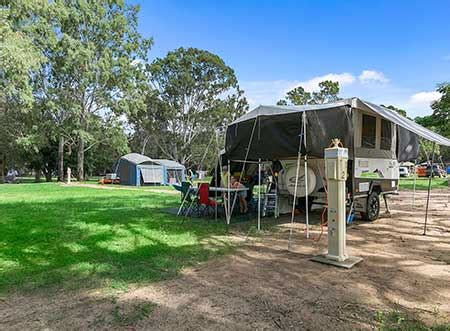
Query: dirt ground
<point x="264" y="286"/>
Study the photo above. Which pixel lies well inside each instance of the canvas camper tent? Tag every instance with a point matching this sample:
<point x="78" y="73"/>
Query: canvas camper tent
<point x="377" y="138"/>
<point x="137" y="169"/>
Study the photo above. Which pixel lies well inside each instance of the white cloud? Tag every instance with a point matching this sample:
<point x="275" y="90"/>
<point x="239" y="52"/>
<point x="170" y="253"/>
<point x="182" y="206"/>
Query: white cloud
<point x="372" y="76"/>
<point x="313" y="84"/>
<point x="424" y="98"/>
<point x="270" y="91"/>
<point x="446" y="57"/>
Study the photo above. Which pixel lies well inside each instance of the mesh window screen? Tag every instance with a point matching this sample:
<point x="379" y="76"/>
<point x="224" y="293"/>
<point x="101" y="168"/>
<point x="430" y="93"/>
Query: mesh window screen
<point x="369" y="124"/>
<point x="386" y="135"/>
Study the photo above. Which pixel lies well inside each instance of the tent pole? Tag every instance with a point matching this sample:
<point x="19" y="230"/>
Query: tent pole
<point x="306" y="196"/>
<point x="429" y="188"/>
<point x="414" y="185"/>
<point x="299" y="156"/>
<point x="228" y="193"/>
<point x="216" y="173"/>
<point x="259" y="194"/>
<point x="245" y="161"/>
<point x="295" y="198"/>
<point x="306" y="177"/>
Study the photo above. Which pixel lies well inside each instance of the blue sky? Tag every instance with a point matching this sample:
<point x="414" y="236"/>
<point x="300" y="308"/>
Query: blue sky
<point x="391" y="52"/>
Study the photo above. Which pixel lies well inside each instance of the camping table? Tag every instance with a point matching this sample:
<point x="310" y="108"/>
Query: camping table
<point x="225" y="189"/>
<point x="229" y="208"/>
<point x="194" y="191"/>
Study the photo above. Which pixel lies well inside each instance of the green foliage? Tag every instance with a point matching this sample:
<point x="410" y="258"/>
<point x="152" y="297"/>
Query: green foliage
<point x="441" y="110"/>
<point x="328" y="92"/>
<point x="58" y="236"/>
<point x="399" y="321"/>
<point x="96" y="65"/>
<point x="21" y="57"/>
<point x="194" y="92"/>
<point x="426" y="150"/>
<point x="108" y="143"/>
<point x="18" y="56"/>
<point x="71" y="67"/>
<point x="439" y="121"/>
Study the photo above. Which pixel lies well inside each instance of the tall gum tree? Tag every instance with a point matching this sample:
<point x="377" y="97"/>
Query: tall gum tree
<point x="19" y="57"/>
<point x="192" y="92"/>
<point x="97" y="65"/>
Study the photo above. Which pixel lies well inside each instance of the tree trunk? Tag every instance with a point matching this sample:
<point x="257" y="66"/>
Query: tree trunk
<point x="80" y="159"/>
<point x="37" y="175"/>
<point x="2" y="170"/>
<point x="61" y="159"/>
<point x="47" y="174"/>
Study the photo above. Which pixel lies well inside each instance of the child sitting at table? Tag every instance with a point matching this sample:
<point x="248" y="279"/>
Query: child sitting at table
<point x="242" y="195"/>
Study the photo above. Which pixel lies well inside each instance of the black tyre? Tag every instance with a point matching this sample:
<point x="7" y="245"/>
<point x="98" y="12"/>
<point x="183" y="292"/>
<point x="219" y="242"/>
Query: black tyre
<point x="373" y="207"/>
<point x="302" y="203"/>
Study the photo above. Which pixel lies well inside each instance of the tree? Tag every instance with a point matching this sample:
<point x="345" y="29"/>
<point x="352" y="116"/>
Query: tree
<point x="441" y="110"/>
<point x="328" y="92"/>
<point x="96" y="66"/>
<point x="19" y="58"/>
<point x="193" y="93"/>
<point x="109" y="143"/>
<point x="439" y="120"/>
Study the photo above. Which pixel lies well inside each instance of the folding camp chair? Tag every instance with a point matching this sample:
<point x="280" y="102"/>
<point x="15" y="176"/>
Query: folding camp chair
<point x="187" y="199"/>
<point x="204" y="203"/>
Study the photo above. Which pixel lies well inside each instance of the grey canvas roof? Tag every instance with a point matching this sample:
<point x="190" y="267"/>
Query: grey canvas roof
<point x="354" y="103"/>
<point x="169" y="163"/>
<point x="137" y="158"/>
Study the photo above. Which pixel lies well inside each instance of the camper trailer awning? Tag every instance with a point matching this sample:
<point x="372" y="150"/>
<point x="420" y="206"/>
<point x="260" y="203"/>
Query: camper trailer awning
<point x="354" y="103"/>
<point x="408" y="124"/>
<point x="272" y="132"/>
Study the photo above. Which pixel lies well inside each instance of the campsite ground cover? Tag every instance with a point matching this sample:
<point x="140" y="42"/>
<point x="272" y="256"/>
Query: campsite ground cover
<point x="422" y="183"/>
<point x="58" y="236"/>
<point x="402" y="284"/>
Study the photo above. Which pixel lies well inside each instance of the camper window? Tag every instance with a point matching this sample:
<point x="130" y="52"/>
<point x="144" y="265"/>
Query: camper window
<point x="386" y="135"/>
<point x="369" y="124"/>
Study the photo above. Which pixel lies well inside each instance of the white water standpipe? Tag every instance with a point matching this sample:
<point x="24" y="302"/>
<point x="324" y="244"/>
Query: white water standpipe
<point x="336" y="173"/>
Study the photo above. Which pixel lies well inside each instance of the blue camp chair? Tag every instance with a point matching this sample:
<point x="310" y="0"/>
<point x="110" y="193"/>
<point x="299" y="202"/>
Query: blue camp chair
<point x="187" y="198"/>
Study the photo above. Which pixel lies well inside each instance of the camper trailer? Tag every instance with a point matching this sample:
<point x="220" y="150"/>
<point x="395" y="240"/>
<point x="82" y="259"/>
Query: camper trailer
<point x="377" y="139"/>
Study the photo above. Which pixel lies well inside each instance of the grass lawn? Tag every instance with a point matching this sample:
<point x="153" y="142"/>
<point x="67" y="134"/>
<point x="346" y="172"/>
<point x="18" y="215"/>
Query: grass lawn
<point x="422" y="183"/>
<point x="56" y="236"/>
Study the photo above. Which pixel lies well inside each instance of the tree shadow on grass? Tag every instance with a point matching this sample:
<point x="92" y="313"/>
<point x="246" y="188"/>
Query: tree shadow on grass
<point x="108" y="241"/>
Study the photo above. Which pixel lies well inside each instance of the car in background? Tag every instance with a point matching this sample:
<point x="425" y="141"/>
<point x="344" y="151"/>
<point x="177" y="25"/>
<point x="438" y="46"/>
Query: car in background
<point x="421" y="171"/>
<point x="403" y="171"/>
<point x="437" y="171"/>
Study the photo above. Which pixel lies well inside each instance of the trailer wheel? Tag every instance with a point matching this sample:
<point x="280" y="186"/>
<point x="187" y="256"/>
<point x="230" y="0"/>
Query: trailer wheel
<point x="302" y="203"/>
<point x="373" y="207"/>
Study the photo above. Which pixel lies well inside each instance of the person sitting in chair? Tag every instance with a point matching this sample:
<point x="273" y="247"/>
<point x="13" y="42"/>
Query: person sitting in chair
<point x="242" y="195"/>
